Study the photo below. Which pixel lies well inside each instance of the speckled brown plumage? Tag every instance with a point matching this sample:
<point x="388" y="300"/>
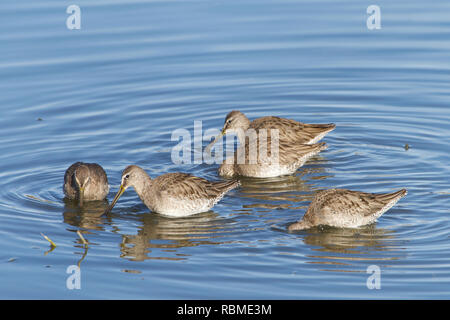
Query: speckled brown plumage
<point x="90" y="176"/>
<point x="291" y="131"/>
<point x="296" y="142"/>
<point x="174" y="194"/>
<point x="290" y="158"/>
<point x="346" y="208"/>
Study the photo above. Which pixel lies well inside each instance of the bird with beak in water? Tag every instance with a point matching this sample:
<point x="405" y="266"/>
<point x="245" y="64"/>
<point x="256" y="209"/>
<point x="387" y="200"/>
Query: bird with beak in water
<point x="291" y="144"/>
<point x="173" y="194"/>
<point x="289" y="130"/>
<point x="85" y="182"/>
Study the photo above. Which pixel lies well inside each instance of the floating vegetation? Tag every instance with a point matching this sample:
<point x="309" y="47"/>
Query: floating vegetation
<point x="82" y="238"/>
<point x="86" y="243"/>
<point x="38" y="199"/>
<point x="49" y="240"/>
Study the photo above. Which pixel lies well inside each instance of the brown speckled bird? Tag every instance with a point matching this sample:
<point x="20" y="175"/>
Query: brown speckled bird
<point x="346" y="209"/>
<point x="85" y="182"/>
<point x="173" y="194"/>
<point x="290" y="158"/>
<point x="296" y="144"/>
<point x="289" y="130"/>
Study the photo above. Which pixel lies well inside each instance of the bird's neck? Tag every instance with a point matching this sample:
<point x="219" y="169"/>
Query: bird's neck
<point x="143" y="187"/>
<point x="244" y="132"/>
<point x="241" y="132"/>
<point x="241" y="136"/>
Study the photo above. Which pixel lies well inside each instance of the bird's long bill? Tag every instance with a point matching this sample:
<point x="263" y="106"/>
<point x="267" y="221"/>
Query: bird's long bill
<point x="208" y="148"/>
<point x="81" y="196"/>
<point x="113" y="203"/>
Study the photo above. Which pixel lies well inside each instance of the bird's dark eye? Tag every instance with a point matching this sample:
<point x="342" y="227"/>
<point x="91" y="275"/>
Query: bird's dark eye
<point x="127" y="176"/>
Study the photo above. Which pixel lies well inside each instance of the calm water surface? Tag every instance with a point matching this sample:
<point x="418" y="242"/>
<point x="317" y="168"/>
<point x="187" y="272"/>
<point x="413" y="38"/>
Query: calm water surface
<point x="114" y="91"/>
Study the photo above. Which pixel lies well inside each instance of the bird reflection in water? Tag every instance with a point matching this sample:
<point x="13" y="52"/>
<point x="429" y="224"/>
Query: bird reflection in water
<point x="283" y="192"/>
<point x="159" y="237"/>
<point x="347" y="249"/>
<point x="89" y="216"/>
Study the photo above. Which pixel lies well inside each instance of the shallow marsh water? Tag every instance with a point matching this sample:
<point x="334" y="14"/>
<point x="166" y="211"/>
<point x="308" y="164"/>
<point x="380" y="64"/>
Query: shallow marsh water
<point x="114" y="91"/>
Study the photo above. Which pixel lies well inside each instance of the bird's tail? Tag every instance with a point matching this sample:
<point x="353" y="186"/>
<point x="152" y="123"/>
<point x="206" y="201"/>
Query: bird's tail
<point x="310" y="148"/>
<point x="320" y="128"/>
<point x="394" y="195"/>
<point x="225" y="186"/>
<point x="320" y="146"/>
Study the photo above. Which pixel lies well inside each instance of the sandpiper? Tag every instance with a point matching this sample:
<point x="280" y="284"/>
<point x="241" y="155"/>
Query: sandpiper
<point x="85" y="181"/>
<point x="346" y="209"/>
<point x="293" y="143"/>
<point x="289" y="159"/>
<point x="173" y="194"/>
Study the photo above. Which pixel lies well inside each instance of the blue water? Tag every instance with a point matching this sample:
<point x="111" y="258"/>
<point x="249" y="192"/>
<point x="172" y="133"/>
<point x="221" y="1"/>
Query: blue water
<point x="115" y="90"/>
